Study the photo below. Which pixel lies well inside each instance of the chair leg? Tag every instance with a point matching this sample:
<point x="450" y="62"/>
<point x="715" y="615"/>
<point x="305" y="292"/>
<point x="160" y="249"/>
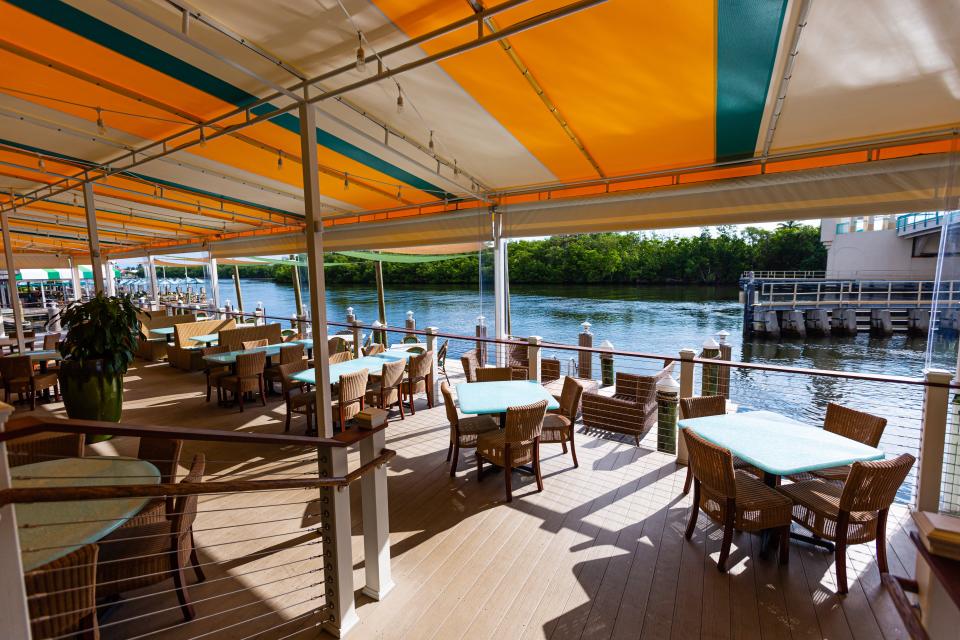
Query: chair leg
<point x="239" y="396"/>
<point x="536" y="463"/>
<point x="508" y="472"/>
<point x="479" y="467"/>
<point x="840" y="552"/>
<point x="400" y="401"/>
<point x="449" y="451"/>
<point x="563" y="446"/>
<point x="456" y="458"/>
<point x="429" y="385"/>
<point x="89" y="627"/>
<point x="727" y="536"/>
<point x="263" y="398"/>
<point x="33" y="399"/>
<point x="694" y="511"/>
<point x="413" y="409"/>
<point x="636" y="440"/>
<point x="180" y="582"/>
<point x="195" y="560"/>
<point x="785" y="545"/>
<point x="286" y="423"/>
<point x="882" y="541"/>
<point x="573" y="449"/>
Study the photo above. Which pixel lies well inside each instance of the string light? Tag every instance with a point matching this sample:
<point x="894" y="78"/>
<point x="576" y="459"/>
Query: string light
<point x="279" y="160"/>
<point x="100" y="126"/>
<point x="399" y="100"/>
<point x="431" y="140"/>
<point x="346" y="181"/>
<point x="361" y="56"/>
<point x="203" y="137"/>
<point x="398" y="191"/>
<point x="41" y="163"/>
<point x="456" y="169"/>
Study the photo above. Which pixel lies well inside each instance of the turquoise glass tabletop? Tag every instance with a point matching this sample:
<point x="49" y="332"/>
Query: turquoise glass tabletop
<point x="51" y="530"/>
<point x="780" y="445"/>
<point x="46" y="354"/>
<point x="207" y="338"/>
<point x="163" y="331"/>
<point x="373" y="364"/>
<point x="231" y="356"/>
<point x="497" y="397"/>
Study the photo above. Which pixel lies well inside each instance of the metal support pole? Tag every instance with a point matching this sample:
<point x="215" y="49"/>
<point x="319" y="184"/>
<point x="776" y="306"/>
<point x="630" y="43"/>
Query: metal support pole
<point x="12" y="281"/>
<point x="297" y="293"/>
<point x="96" y="263"/>
<point x="214" y="301"/>
<point x="932" y="436"/>
<point x="499" y="286"/>
<point x="434" y="371"/>
<point x="75" y="280"/>
<point x="332" y="461"/>
<point x="152" y="279"/>
<point x="686" y="390"/>
<point x="13" y="595"/>
<point x="381" y="303"/>
<point x="534" y="355"/>
<point x="357" y="331"/>
<point x="236" y="286"/>
<point x="376" y="520"/>
<point x="110" y="280"/>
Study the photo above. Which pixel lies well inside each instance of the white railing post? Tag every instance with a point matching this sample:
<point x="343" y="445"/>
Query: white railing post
<point x="14" y="612"/>
<point x="686" y="391"/>
<point x="432" y="348"/>
<point x="376" y="519"/>
<point x="932" y="435"/>
<point x="337" y="552"/>
<point x="357" y="335"/>
<point x="534" y="355"/>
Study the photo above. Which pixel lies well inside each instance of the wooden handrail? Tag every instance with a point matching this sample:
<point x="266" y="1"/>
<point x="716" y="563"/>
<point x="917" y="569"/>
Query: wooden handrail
<point x="27" y="426"/>
<point x="21" y="495"/>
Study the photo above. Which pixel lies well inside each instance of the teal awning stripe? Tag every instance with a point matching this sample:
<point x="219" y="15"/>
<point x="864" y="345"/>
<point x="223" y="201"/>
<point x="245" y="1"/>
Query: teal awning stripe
<point x="748" y="32"/>
<point x="83" y="24"/>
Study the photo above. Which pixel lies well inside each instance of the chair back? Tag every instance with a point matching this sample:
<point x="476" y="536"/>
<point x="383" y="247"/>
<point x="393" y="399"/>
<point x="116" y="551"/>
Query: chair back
<point x="410" y="340"/>
<point x="442" y="354"/>
<point x="570" y="398"/>
<point x="353" y="386"/>
<point x="62" y="595"/>
<point x="872" y="486"/>
<point x="470" y="363"/>
<point x="343" y="356"/>
<point x="519" y="373"/>
<point x="50" y="341"/>
<point x="711" y="465"/>
<point x="524" y="423"/>
<point x="418" y="350"/>
<point x="164" y="454"/>
<point x="292" y="353"/>
<point x="494" y="374"/>
<point x="549" y="369"/>
<point x="392" y="374"/>
<point x="420" y="366"/>
<point x="450" y="405"/>
<point x="16" y="367"/>
<point x="702" y="406"/>
<point x="373" y="349"/>
<point x="288" y="370"/>
<point x="856" y="425"/>
<point x="212" y="351"/>
<point x="253" y="344"/>
<point x="236" y="337"/>
<point x="336" y="344"/>
<point x="43" y="447"/>
<point x="251" y="364"/>
<point x="185" y="507"/>
<point x="519" y="356"/>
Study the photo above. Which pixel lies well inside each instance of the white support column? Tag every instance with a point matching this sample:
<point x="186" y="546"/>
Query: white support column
<point x="214" y="300"/>
<point x="151" y="267"/>
<point x="12" y="281"/>
<point x="96" y="263"/>
<point x="376" y="520"/>
<point x="534" y="355"/>
<point x="14" y="611"/>
<point x="75" y="280"/>
<point x="337" y="549"/>
<point x="932" y="436"/>
<point x="686" y="391"/>
<point x="434" y="372"/>
<point x="111" y="281"/>
<point x="499" y="286"/>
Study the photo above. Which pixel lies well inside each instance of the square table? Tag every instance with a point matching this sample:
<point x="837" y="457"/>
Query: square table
<point x="166" y="332"/>
<point x="497" y="397"/>
<point x="373" y="364"/>
<point x="230" y="358"/>
<point x="208" y="338"/>
<point x="780" y="446"/>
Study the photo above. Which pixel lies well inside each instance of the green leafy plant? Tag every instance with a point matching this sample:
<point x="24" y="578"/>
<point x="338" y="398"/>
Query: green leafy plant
<point x="105" y="329"/>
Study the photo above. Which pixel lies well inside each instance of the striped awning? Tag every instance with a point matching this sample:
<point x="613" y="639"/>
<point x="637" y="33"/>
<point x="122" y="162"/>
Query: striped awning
<point x="526" y="102"/>
<point x="40" y="275"/>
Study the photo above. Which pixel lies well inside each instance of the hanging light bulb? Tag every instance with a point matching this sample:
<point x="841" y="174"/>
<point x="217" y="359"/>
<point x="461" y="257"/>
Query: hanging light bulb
<point x="456" y="169"/>
<point x="279" y="160"/>
<point x="346" y="181"/>
<point x="398" y="191"/>
<point x="100" y="126"/>
<point x="40" y="163"/>
<point x="361" y="56"/>
<point x="399" y="100"/>
<point x="431" y="140"/>
<point x="203" y="137"/>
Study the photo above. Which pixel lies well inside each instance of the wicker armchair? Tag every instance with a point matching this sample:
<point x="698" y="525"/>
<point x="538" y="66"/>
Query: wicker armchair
<point x="701" y="407"/>
<point x="253" y="344"/>
<point x="519" y="356"/>
<point x="51" y="341"/>
<point x="419" y="379"/>
<point x="470" y="363"/>
<point x="43" y="447"/>
<point x="410" y="339"/>
<point x="351" y="393"/>
<point x="463" y="431"/>
<point x="517" y="444"/>
<point x="373" y="349"/>
<point x="288" y="354"/>
<point x="62" y="596"/>
<point x="248" y="377"/>
<point x="442" y="359"/>
<point x="164" y="454"/>
<point x="852" y="513"/>
<point x="336" y="344"/>
<point x="558" y="424"/>
<point x="213" y="372"/>
<point x="494" y="374"/>
<point x="297" y="398"/>
<point x="20" y="378"/>
<point x="733" y="499"/>
<point x="631" y="410"/>
<point x="341" y="356"/>
<point x="387" y="389"/>
<point x="849" y="423"/>
<point x="138" y="556"/>
<point x="549" y="370"/>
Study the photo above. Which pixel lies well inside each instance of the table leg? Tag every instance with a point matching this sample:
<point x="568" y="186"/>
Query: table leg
<point x="768" y="536"/>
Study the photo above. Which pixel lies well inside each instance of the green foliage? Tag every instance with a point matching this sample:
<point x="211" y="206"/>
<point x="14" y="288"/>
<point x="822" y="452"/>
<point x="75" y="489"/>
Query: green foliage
<point x="105" y="328"/>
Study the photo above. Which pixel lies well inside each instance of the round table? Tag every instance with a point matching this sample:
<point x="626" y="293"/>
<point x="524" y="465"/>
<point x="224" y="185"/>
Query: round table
<point x="51" y="530"/>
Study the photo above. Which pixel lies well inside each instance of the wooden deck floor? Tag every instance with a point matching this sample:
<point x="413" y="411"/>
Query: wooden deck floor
<point x="599" y="554"/>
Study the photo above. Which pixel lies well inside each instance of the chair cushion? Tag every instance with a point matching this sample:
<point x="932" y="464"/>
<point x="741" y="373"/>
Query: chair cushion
<point x="477" y="425"/>
<point x="833" y="474"/>
<point x="491" y="446"/>
<point x="816" y="505"/>
<point x="556" y="428"/>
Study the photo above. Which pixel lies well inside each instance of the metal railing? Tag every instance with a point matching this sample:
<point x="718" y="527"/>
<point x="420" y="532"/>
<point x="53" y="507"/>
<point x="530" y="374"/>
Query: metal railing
<point x="858" y="293"/>
<point x="910" y="222"/>
<point x="784" y="275"/>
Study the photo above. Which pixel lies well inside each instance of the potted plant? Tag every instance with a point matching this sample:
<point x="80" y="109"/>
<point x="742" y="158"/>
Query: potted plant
<point x="100" y="344"/>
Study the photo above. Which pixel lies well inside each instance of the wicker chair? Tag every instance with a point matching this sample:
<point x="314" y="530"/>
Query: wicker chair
<point x="214" y="372"/>
<point x="463" y="431"/>
<point x="248" y="377"/>
<point x="341" y="356"/>
<point x="62" y="596"/>
<point x="138" y="556"/>
<point x="253" y="344"/>
<point x="297" y="398"/>
<point x="373" y="349"/>
<point x="20" y="378"/>
<point x="733" y="499"/>
<point x="336" y="344"/>
<point x="558" y="424"/>
<point x="442" y="359"/>
<point x="419" y="379"/>
<point x="387" y="390"/>
<point x="549" y="370"/>
<point x="519" y="356"/>
<point x="410" y="340"/>
<point x="43" y="447"/>
<point x="51" y="341"/>
<point x="289" y="354"/>
<point x="852" y="513"/>
<point x="849" y="423"/>
<point x="631" y="410"/>
<point x="701" y="407"/>
<point x="494" y="374"/>
<point x="470" y="363"/>
<point x="351" y="393"/>
<point x="517" y="444"/>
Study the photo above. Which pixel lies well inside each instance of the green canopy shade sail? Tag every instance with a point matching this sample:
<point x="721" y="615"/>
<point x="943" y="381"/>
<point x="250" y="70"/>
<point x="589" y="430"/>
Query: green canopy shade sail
<point x="35" y="275"/>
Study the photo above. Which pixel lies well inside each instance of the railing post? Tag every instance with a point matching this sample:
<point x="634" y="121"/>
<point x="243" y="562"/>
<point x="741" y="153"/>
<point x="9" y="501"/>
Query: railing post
<point x="410" y="323"/>
<point x="481" y="346"/>
<point x="668" y="395"/>
<point x="337" y="551"/>
<point x="357" y="335"/>
<point x="534" y="354"/>
<point x="350" y="316"/>
<point x="432" y="348"/>
<point x="585" y="358"/>
<point x="932" y="436"/>
<point x="709" y="377"/>
<point x="376" y="519"/>
<point x="14" y="611"/>
<point x="686" y="391"/>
